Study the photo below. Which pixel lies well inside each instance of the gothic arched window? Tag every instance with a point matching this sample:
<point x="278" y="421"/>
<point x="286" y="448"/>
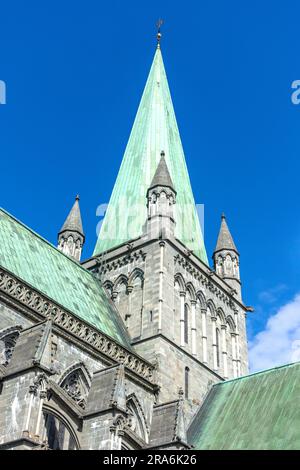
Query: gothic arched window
<point x="186" y="323"/>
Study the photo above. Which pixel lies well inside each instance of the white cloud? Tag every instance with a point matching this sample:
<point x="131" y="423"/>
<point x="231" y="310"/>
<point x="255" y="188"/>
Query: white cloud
<point x="279" y="342"/>
<point x="272" y="295"/>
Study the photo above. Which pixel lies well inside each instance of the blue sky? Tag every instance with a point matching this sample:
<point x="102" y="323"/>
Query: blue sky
<point x="74" y="74"/>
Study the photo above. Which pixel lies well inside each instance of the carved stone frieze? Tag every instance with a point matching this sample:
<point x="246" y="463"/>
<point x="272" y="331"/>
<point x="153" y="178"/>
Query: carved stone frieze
<point x="28" y="297"/>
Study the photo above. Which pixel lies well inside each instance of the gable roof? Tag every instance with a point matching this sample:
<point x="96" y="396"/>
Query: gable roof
<point x="167" y="423"/>
<point x="258" y="411"/>
<point x="154" y="130"/>
<point x="46" y="269"/>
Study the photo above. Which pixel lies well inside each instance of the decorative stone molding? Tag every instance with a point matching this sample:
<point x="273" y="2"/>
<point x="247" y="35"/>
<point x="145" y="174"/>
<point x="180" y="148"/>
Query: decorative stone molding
<point x="74" y="387"/>
<point x="49" y="310"/>
<point x="205" y="281"/>
<point x="103" y="266"/>
<point x="132" y="400"/>
<point x="39" y="383"/>
<point x="8" y="337"/>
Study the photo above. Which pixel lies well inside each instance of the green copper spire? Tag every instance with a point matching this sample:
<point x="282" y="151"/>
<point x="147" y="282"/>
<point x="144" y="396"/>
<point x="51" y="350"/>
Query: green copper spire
<point x="154" y="130"/>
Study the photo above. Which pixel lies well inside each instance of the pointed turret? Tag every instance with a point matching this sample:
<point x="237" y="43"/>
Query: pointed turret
<point x="161" y="198"/>
<point x="225" y="240"/>
<point x="154" y="129"/>
<point x="226" y="257"/>
<point x="71" y="237"/>
<point x="162" y="176"/>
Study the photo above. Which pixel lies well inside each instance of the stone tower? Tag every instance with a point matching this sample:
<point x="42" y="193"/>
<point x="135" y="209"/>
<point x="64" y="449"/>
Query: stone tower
<point x="226" y="258"/>
<point x="151" y="259"/>
<point x="71" y="237"/>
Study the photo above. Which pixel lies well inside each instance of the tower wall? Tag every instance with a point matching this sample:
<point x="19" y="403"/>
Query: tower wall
<point x="183" y="317"/>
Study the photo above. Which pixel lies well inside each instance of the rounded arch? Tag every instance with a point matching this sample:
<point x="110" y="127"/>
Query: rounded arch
<point x="191" y="290"/>
<point x="221" y="315"/>
<point x="179" y="279"/>
<point x="202" y="300"/>
<point x="136" y="273"/>
<point x="230" y="322"/>
<point x="121" y="280"/>
<point x="211" y="307"/>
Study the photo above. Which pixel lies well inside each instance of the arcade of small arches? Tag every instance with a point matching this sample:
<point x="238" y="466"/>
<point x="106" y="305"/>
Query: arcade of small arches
<point x="227" y="265"/>
<point x="127" y="294"/>
<point x="199" y="326"/>
<point x="205" y="331"/>
<point x="71" y="245"/>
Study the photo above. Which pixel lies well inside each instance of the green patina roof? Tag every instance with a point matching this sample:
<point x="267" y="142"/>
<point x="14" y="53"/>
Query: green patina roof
<point x="259" y="411"/>
<point x="37" y="262"/>
<point x="154" y="130"/>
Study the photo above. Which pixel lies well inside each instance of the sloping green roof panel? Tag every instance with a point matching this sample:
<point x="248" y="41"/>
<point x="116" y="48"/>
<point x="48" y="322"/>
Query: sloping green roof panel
<point x="260" y="411"/>
<point x="154" y="130"/>
<point x="37" y="262"/>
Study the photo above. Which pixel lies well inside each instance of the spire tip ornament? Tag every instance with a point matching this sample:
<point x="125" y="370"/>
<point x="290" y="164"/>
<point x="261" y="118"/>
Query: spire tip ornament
<point x="158" y="36"/>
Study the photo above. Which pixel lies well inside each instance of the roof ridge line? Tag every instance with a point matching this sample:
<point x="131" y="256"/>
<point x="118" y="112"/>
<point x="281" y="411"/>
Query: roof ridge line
<point x="258" y="373"/>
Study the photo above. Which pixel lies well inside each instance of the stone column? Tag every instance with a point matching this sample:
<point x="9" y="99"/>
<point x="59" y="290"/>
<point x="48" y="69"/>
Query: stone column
<point x="204" y="335"/>
<point x="234" y="358"/>
<point x="214" y="342"/>
<point x="161" y="273"/>
<point x="182" y="299"/>
<point x="238" y="355"/>
<point x="194" y="328"/>
<point x="128" y="314"/>
<point x="224" y="351"/>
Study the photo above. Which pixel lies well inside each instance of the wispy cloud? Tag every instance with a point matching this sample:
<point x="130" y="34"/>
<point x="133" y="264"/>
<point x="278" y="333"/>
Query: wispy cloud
<point x="270" y="296"/>
<point x="279" y="342"/>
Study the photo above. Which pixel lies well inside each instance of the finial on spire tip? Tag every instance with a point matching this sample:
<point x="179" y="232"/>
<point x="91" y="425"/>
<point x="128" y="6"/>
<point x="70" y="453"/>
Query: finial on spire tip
<point x="158" y="36"/>
<point x="77" y="197"/>
<point x="162" y="153"/>
<point x="223" y="216"/>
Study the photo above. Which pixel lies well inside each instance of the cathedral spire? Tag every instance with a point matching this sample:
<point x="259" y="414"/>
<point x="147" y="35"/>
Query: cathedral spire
<point x="154" y="129"/>
<point x="71" y="237"/>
